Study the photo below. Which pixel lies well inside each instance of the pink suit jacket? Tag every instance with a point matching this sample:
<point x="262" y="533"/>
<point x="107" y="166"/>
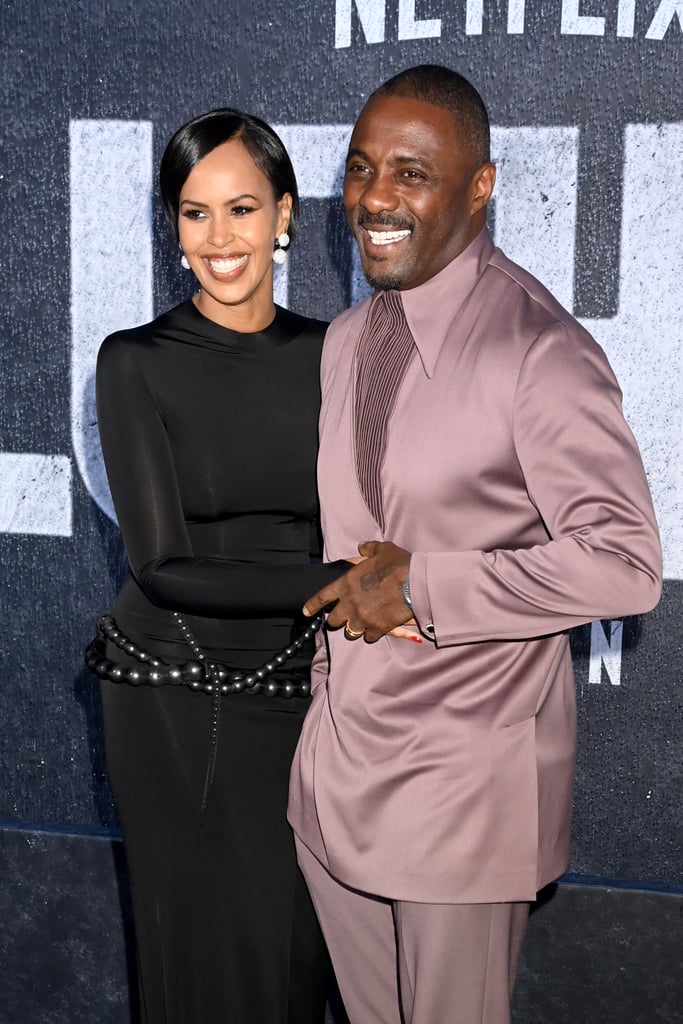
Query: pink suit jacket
<point x="442" y="772"/>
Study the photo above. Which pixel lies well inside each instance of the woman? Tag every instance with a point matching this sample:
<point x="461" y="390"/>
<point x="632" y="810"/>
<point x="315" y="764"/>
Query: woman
<point x="208" y="420"/>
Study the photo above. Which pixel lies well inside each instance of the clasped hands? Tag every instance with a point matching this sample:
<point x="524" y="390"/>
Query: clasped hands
<point x="368" y="600"/>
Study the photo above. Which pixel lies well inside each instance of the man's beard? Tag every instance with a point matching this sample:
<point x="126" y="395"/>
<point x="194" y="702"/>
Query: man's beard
<point x="383" y="282"/>
<point x="388" y="280"/>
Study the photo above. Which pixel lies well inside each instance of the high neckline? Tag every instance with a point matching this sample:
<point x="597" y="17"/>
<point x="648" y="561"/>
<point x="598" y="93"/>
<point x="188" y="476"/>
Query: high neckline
<point x="191" y="326"/>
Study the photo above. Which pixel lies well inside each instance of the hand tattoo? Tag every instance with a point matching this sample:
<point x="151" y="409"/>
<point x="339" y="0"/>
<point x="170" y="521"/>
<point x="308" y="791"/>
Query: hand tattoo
<point x="370" y="580"/>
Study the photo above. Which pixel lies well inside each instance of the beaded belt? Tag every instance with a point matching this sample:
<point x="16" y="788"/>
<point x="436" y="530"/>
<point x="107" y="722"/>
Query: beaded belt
<point x="200" y="675"/>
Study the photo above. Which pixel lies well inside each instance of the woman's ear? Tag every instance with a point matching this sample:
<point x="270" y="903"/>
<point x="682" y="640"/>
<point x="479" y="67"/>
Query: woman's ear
<point x="285" y="209"/>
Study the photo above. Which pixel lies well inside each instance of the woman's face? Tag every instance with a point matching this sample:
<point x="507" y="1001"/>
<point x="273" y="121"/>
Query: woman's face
<point x="228" y="221"/>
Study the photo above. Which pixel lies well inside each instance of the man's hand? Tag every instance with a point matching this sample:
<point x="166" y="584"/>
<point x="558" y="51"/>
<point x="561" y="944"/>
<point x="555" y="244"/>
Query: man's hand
<point x="369" y="597"/>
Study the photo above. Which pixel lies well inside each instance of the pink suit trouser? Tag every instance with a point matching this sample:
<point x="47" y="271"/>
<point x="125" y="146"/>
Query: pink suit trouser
<point x="398" y="962"/>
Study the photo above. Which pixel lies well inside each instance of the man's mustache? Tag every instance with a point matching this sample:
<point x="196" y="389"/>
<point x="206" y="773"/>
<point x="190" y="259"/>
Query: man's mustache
<point x="381" y="220"/>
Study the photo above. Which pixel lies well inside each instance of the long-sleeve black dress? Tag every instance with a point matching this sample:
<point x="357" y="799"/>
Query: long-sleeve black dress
<point x="210" y="441"/>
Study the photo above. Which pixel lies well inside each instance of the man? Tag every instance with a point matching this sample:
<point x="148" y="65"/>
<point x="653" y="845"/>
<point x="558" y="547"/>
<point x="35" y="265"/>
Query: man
<point x="472" y="435"/>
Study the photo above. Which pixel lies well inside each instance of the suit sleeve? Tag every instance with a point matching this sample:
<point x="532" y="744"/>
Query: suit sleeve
<point x="584" y="475"/>
<point x="144" y="487"/>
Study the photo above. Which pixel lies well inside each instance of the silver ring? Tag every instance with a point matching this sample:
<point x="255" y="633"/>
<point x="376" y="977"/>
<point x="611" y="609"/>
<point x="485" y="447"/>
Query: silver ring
<point x="351" y="634"/>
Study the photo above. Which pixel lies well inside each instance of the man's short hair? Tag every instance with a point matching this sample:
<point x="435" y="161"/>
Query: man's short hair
<point x="443" y="87"/>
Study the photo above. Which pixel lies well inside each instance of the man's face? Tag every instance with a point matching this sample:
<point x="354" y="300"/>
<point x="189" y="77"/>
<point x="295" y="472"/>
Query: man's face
<point x="413" y="199"/>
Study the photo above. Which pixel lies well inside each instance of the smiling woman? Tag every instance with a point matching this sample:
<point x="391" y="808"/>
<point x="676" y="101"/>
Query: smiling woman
<point x="230" y="198"/>
<point x="208" y="420"/>
<point x="228" y="220"/>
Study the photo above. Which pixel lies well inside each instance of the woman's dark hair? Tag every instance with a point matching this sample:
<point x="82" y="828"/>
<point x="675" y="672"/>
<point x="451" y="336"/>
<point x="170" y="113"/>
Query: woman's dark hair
<point x="202" y="134"/>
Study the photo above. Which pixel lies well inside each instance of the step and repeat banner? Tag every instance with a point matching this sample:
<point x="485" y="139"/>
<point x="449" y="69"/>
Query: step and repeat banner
<point x="585" y="98"/>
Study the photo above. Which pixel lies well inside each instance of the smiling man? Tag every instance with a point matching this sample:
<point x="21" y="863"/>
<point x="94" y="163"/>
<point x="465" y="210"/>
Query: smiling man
<point x="473" y="445"/>
<point x="415" y="197"/>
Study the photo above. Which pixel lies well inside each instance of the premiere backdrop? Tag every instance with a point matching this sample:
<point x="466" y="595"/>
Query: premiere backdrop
<point x="585" y="98"/>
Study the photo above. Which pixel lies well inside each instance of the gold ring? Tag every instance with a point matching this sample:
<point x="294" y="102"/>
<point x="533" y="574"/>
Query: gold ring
<point x="351" y="634"/>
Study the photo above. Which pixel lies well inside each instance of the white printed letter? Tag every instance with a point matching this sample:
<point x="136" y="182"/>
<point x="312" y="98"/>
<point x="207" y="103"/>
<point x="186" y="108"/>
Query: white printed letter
<point x="111" y="265"/>
<point x="644" y="342"/>
<point x="626" y="18"/>
<point x="372" y="18"/>
<point x="410" y="28"/>
<point x="474" y="17"/>
<point x="606" y="652"/>
<point x="35" y="496"/>
<point x="664" y="15"/>
<point x="575" y="24"/>
<point x="515" y="17"/>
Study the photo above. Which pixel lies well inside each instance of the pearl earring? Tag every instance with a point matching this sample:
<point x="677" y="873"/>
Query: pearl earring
<point x="279" y="252"/>
<point x="184" y="262"/>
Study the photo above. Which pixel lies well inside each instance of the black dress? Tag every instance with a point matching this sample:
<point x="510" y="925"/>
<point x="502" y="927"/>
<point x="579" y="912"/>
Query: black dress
<point x="210" y="442"/>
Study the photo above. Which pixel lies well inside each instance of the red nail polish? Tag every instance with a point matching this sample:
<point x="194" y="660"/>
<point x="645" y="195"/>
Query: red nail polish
<point x="416" y="639"/>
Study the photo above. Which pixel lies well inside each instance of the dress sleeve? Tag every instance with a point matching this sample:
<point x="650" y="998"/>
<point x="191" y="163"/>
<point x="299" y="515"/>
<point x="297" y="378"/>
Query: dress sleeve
<point x="583" y="472"/>
<point x="144" y="487"/>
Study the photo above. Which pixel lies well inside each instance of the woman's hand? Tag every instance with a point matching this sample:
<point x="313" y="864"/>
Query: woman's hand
<point x="408" y="631"/>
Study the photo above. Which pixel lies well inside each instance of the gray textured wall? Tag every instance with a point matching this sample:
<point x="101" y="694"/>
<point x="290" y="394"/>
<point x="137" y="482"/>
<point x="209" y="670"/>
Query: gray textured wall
<point x="588" y="132"/>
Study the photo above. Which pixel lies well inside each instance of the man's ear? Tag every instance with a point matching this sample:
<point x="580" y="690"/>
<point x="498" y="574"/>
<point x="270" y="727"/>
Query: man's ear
<point x="481" y="187"/>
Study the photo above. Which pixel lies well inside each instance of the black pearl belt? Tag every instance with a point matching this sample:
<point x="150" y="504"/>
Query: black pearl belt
<point x="199" y="675"/>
